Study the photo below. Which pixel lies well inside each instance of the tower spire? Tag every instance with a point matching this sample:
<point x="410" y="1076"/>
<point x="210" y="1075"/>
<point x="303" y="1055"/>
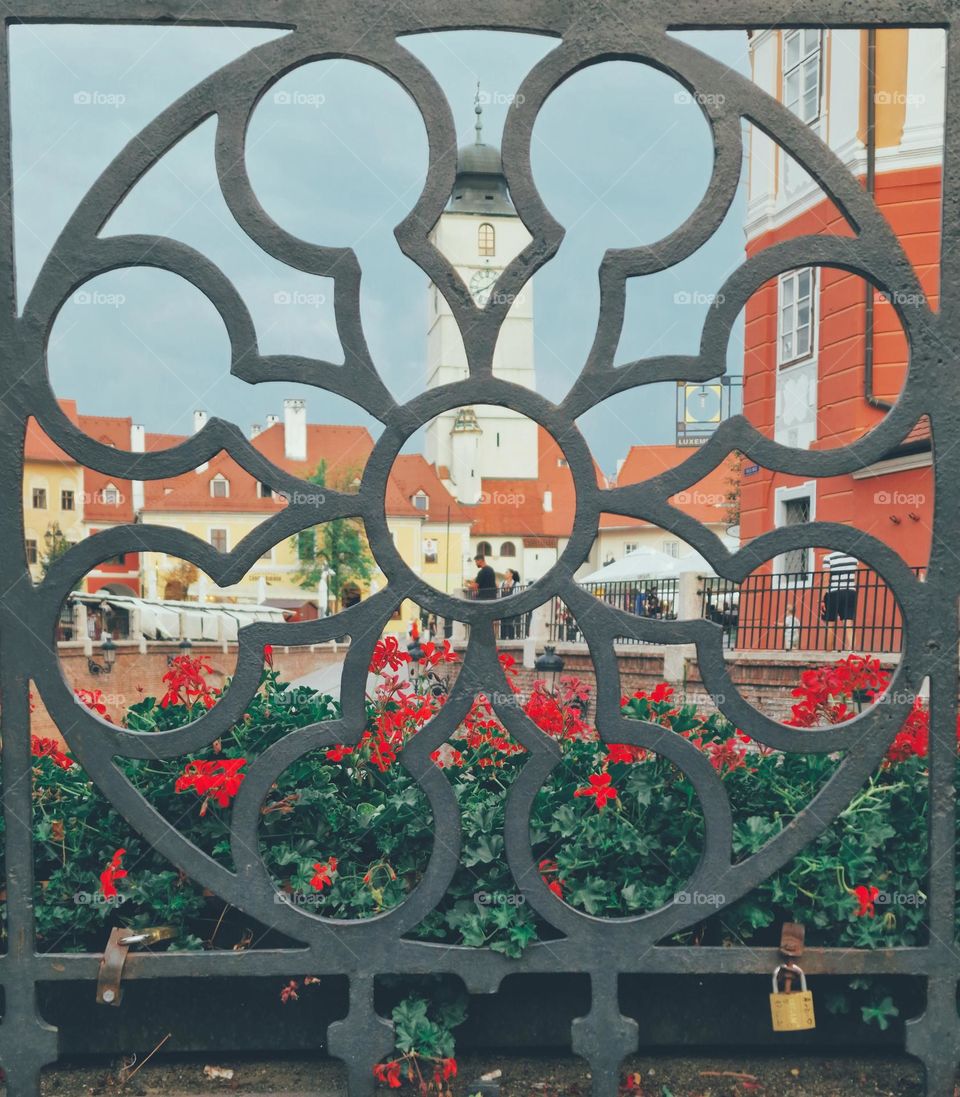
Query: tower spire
<point x="478" y="111"/>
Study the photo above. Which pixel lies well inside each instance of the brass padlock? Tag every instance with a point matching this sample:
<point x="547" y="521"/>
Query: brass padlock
<point x="791" y="1011"/>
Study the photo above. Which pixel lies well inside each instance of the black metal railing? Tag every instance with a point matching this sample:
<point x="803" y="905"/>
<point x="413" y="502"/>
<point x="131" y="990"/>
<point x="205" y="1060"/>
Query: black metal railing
<point x="656" y="599"/>
<point x="797" y="610"/>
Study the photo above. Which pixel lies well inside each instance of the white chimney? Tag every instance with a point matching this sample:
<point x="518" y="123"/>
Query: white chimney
<point x="547" y="502"/>
<point x="272" y="421"/>
<point x="138" y="443"/>
<point x="254" y="430"/>
<point x="199" y="421"/>
<point x="295" y="430"/>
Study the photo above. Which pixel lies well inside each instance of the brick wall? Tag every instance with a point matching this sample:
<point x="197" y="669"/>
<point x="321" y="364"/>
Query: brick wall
<point x="135" y="669"/>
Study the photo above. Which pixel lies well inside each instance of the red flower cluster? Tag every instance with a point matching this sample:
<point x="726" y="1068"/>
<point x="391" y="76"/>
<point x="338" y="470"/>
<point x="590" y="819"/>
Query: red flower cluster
<point x="826" y="692"/>
<point x="220" y="779"/>
<point x="624" y="754"/>
<point x="913" y="739"/>
<point x="558" y="712"/>
<point x="550" y="874"/>
<point x="323" y="874"/>
<point x="433" y="655"/>
<point x="387" y="653"/>
<point x="93" y="699"/>
<point x="50" y="748"/>
<point x="600" y="788"/>
<point x="186" y="684"/>
<point x="113" y="872"/>
<point x="866" y="897"/>
<point x="729" y="755"/>
<point x="392" y="1074"/>
<point x="389" y="1074"/>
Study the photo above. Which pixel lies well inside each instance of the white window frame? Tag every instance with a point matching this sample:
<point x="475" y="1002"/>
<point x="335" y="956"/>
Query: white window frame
<point x="793" y="277"/>
<point x="420" y="500"/>
<point x="226" y="537"/>
<point x="810" y="48"/>
<point x="782" y="496"/>
<point x="670" y="548"/>
<point x="630" y="546"/>
<point x="219" y="479"/>
<point x="108" y="488"/>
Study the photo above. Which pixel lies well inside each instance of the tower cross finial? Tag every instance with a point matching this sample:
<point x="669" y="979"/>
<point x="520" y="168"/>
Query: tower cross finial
<point x="478" y="111"/>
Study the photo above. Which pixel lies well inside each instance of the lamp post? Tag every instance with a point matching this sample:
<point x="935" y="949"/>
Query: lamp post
<point x="549" y="663"/>
<point x="109" y="649"/>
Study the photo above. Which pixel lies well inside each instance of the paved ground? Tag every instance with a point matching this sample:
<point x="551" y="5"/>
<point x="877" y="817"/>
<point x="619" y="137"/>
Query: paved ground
<point x="548" y="1076"/>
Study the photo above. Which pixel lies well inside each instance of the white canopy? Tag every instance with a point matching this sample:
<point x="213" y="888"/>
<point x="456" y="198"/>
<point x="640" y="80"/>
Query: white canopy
<point x="650" y="563"/>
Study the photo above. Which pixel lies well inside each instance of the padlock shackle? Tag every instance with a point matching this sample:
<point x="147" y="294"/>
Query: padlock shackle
<point x="795" y="968"/>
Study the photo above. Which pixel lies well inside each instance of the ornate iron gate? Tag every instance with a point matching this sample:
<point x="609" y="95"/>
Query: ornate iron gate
<point x="590" y="31"/>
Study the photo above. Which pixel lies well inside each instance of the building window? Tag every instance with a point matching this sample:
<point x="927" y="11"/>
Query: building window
<point x="484" y="548"/>
<point x="562" y="463"/>
<point x="110" y="495"/>
<point x="795" y="316"/>
<point x="218" y="538"/>
<point x="420" y="501"/>
<point x="220" y="487"/>
<point x="268" y="555"/>
<point x="30" y="547"/>
<point x="630" y="546"/>
<point x="39" y="498"/>
<point x="801" y="73"/>
<point x="431" y="547"/>
<point x="67" y="500"/>
<point x="795" y="511"/>
<point x="486" y="239"/>
<point x="671" y="548"/>
<point x="264" y="491"/>
<point x="508" y="548"/>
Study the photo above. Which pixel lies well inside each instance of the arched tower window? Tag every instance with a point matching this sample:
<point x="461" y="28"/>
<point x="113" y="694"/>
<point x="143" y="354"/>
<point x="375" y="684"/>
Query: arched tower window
<point x="486" y="239"/>
<point x="484" y="548"/>
<point x="508" y="548"/>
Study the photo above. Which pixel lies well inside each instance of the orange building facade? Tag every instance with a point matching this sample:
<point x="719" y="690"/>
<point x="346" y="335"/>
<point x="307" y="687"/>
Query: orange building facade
<point x="825" y="354"/>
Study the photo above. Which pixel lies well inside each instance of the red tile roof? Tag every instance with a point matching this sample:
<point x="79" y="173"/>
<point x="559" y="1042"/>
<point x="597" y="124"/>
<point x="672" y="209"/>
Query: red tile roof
<point x="113" y="431"/>
<point x="703" y="500"/>
<point x="38" y="447"/>
<point x="412" y="473"/>
<point x="514" y="506"/>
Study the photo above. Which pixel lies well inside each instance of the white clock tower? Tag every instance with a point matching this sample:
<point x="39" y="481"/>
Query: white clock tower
<point x="480" y="233"/>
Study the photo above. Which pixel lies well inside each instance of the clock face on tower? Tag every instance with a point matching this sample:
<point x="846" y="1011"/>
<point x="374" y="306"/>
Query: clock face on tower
<point x="481" y="283"/>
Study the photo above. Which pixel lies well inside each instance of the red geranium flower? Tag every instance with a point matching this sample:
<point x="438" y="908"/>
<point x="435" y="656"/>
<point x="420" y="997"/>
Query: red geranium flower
<point x="49" y="748"/>
<point x="220" y="779"/>
<point x="599" y="788"/>
<point x="113" y="872"/>
<point x="866" y="896"/>
<point x="186" y="684"/>
<point x="387" y="653"/>
<point x="322" y="874"/>
<point x="388" y="1073"/>
<point x="268" y="654"/>
<point x="289" y="992"/>
<point x="550" y="868"/>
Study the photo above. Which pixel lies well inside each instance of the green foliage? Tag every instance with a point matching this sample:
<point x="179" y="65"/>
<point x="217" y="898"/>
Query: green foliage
<point x="337" y="548"/>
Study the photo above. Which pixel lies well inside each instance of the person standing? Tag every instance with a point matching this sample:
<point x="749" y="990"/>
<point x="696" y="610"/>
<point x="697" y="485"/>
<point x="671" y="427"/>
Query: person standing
<point x="840" y="600"/>
<point x="485" y="584"/>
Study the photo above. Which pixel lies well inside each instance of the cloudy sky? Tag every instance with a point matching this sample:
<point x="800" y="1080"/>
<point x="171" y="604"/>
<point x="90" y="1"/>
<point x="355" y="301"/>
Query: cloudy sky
<point x="619" y="156"/>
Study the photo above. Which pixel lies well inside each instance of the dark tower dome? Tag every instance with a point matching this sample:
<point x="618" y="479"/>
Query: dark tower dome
<point x="480" y="186"/>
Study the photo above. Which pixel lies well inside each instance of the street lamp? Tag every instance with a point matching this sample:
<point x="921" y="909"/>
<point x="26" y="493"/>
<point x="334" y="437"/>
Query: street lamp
<point x="549" y="663"/>
<point x="109" y="649"/>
